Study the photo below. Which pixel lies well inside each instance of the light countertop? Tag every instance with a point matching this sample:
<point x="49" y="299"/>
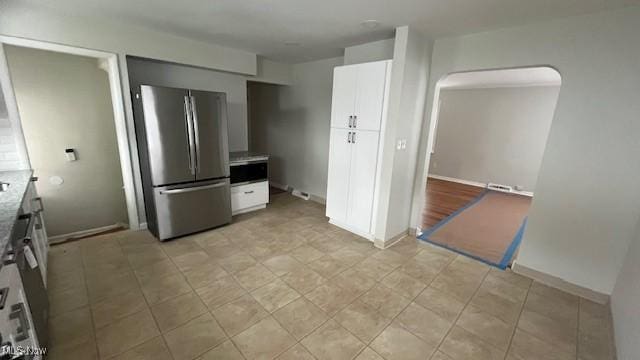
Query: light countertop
<point x="10" y="202"/>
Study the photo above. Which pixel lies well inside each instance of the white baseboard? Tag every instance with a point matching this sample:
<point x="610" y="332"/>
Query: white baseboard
<point x="560" y="284"/>
<point x="385" y="244"/>
<point x="318" y="199"/>
<point x="287" y="188"/>
<point x="83" y="233"/>
<point x="477" y="184"/>
<point x="143" y="226"/>
<point x="279" y="186"/>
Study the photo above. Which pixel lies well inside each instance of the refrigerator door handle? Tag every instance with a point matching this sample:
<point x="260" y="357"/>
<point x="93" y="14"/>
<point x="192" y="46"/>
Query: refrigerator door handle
<point x="191" y="189"/>
<point x="196" y="132"/>
<point x="187" y="119"/>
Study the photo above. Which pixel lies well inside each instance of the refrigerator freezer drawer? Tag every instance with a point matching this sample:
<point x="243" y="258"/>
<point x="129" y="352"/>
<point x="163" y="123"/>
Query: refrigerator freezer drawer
<point x="195" y="207"/>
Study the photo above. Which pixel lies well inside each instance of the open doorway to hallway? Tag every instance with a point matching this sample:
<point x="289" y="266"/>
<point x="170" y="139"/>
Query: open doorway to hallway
<point x="67" y="118"/>
<point x="488" y="136"/>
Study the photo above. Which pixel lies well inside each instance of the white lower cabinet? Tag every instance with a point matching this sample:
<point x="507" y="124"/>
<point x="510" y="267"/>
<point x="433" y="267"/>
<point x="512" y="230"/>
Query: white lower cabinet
<point x="352" y="178"/>
<point x="338" y="176"/>
<point x="364" y="161"/>
<point x="249" y="197"/>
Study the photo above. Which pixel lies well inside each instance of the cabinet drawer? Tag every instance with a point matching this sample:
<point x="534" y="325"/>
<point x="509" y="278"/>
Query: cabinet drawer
<point x="250" y="195"/>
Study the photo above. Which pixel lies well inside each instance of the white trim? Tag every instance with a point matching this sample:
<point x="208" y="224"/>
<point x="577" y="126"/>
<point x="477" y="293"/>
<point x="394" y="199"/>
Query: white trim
<point x="559" y="283"/>
<point x="12" y="111"/>
<point x="344" y="226"/>
<point x="477" y="184"/>
<point x="385" y="244"/>
<point x="83" y="233"/>
<point x="499" y="86"/>
<point x="115" y="86"/>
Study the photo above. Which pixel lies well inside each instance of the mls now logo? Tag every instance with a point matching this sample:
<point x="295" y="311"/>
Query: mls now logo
<point x="15" y="351"/>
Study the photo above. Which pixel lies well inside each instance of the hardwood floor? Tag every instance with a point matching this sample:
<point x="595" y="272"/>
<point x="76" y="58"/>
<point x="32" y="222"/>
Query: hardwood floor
<point x="444" y="198"/>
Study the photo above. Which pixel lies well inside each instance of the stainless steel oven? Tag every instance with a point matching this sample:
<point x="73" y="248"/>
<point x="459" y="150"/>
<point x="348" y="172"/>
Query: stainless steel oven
<point x="250" y="171"/>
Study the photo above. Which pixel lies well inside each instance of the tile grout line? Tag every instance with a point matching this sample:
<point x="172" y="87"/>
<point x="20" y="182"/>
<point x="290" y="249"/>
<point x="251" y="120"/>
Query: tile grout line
<point x="517" y="320"/>
<point x="415" y="297"/>
<point x="90" y="304"/>
<point x="392" y="319"/>
<point x="209" y="311"/>
<point x="148" y="305"/>
<point x="578" y="329"/>
<point x="453" y="324"/>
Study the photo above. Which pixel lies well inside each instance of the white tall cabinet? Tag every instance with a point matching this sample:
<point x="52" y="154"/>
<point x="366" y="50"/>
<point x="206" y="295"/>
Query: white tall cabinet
<point x="358" y="113"/>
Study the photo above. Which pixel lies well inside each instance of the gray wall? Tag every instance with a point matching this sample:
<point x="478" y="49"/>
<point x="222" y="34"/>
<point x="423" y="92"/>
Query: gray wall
<point x="291" y="124"/>
<point x="587" y="201"/>
<point x="405" y="110"/>
<point x="173" y="75"/>
<point x="372" y="51"/>
<point x="65" y="102"/>
<point x="493" y="134"/>
<point x="625" y="301"/>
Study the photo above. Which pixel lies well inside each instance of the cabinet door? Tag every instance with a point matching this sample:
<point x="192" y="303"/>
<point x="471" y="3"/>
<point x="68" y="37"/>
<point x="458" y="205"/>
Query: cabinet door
<point x="338" y="177"/>
<point x="364" y="161"/>
<point x="371" y="84"/>
<point x="344" y="95"/>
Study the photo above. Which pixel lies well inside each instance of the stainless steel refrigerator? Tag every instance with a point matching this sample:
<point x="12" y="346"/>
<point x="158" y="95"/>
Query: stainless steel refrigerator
<point x="184" y="159"/>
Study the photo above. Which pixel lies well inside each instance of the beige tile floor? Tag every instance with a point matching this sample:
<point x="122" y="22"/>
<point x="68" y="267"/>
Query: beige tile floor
<point x="282" y="283"/>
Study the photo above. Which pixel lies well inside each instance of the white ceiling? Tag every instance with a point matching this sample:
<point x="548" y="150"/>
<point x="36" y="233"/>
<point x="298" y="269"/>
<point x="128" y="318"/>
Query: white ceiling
<point x="538" y="76"/>
<point x="322" y="28"/>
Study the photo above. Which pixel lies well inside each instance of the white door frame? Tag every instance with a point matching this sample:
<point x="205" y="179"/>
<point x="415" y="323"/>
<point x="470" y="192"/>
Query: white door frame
<point x="110" y="64"/>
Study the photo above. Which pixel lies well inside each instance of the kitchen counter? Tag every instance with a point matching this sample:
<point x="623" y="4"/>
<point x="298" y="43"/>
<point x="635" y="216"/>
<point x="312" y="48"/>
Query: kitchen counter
<point x="10" y="202"/>
<point x="241" y="156"/>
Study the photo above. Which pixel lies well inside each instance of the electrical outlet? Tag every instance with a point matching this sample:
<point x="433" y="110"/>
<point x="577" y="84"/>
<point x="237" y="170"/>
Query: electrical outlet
<point x="399" y="145"/>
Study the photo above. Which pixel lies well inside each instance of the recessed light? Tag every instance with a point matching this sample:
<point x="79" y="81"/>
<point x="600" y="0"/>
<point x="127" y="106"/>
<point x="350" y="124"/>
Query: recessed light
<point x="370" y="24"/>
<point x="291" y="43"/>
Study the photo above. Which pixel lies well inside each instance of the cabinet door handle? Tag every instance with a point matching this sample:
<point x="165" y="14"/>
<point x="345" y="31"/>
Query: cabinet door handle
<point x="355" y="121"/>
<point x="349" y="137"/>
<point x="191" y="189"/>
<point x="187" y="122"/>
<point x="41" y="205"/>
<point x="249" y="192"/>
<point x="350" y="120"/>
<point x="353" y="138"/>
<point x="19" y="312"/>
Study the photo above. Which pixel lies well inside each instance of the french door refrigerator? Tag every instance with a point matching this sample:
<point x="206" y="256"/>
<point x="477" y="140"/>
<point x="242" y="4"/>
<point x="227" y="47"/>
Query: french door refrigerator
<point x="184" y="159"/>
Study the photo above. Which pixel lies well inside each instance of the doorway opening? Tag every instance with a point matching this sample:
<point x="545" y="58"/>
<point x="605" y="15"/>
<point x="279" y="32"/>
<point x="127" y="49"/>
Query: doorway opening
<point x="487" y="138"/>
<point x="68" y="116"/>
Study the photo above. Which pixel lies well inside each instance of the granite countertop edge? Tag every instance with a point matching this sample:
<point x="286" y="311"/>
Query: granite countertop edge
<point x="239" y="156"/>
<point x="11" y="201"/>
